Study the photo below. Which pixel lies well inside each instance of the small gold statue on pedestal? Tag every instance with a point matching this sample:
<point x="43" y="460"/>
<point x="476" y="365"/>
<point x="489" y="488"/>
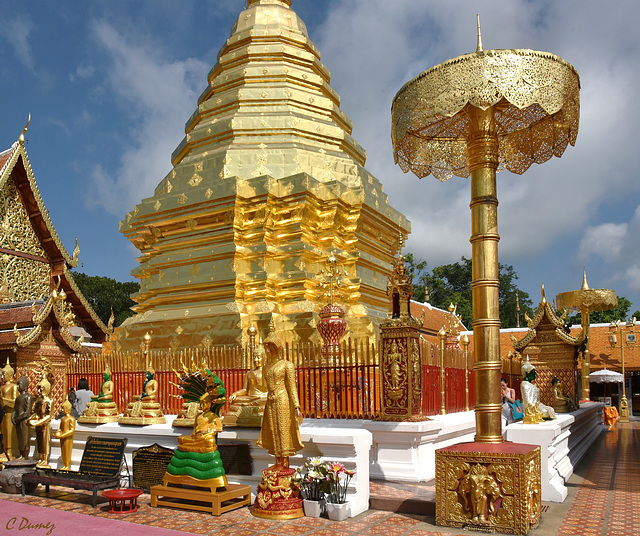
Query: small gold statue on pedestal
<point x="8" y="395"/>
<point x="41" y="420"/>
<point x="65" y="435"/>
<point x="278" y="497"/>
<point x="102" y="408"/>
<point x="145" y="410"/>
<point x="534" y="410"/>
<point x="246" y="406"/>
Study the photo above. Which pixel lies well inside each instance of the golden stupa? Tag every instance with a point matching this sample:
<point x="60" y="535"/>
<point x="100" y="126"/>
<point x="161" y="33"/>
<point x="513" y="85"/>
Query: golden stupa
<point x="265" y="185"/>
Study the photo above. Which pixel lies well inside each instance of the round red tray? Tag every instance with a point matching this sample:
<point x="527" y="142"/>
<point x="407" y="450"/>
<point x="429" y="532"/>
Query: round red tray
<point x="118" y="500"/>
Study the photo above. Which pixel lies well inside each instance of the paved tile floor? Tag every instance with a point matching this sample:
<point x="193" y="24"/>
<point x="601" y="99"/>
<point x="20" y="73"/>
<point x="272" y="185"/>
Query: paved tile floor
<point x="604" y="500"/>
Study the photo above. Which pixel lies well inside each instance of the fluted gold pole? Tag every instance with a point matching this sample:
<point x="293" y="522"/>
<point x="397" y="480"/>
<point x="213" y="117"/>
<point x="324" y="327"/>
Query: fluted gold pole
<point x="482" y="153"/>
<point x="442" y="334"/>
<point x="585" y="393"/>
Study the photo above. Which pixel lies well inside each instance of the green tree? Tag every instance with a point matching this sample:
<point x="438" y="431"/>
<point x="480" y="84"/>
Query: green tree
<point x="451" y="283"/>
<point x="105" y="294"/>
<point x="606" y="317"/>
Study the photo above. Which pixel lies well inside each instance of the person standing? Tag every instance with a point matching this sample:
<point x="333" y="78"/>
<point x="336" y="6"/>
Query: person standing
<point x="508" y="395"/>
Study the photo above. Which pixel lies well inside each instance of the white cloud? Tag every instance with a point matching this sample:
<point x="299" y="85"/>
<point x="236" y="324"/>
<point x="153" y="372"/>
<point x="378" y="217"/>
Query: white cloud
<point x="388" y="43"/>
<point x="159" y="94"/>
<point x="16" y="32"/>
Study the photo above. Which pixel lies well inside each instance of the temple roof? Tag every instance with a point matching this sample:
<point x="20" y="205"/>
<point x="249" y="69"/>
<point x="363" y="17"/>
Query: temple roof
<point x="29" y="237"/>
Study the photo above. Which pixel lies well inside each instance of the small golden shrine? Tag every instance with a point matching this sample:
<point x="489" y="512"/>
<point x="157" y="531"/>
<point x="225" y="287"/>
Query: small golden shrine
<point x="552" y="350"/>
<point x="266" y="183"/>
<point x="43" y="314"/>
<point x="400" y="363"/>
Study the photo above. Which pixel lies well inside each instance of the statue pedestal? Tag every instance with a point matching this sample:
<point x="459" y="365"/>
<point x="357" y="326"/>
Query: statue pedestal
<point x="142" y="413"/>
<point x="100" y="413"/>
<point x="11" y="476"/>
<point x="489" y="487"/>
<point x="277" y="497"/>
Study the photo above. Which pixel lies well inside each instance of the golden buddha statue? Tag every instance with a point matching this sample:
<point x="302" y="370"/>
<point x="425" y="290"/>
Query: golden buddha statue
<point x="561" y="402"/>
<point x="65" y="435"/>
<point x="102" y="408"/>
<point x="207" y="423"/>
<point x="146" y="409"/>
<point x="280" y="433"/>
<point x="246" y="406"/>
<point x="534" y="410"/>
<point x="20" y="416"/>
<point x="8" y="395"/>
<point x="40" y="420"/>
<point x="277" y="496"/>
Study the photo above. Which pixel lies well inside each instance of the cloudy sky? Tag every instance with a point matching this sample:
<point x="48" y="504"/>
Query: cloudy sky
<point x="111" y="84"/>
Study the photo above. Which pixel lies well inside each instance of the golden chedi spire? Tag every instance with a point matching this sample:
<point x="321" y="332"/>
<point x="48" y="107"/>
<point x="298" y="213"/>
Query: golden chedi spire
<point x="266" y="182"/>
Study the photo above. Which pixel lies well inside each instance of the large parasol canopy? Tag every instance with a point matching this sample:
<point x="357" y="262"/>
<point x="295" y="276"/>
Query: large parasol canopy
<point x="606" y="376"/>
<point x="592" y="299"/>
<point x="537" y="108"/>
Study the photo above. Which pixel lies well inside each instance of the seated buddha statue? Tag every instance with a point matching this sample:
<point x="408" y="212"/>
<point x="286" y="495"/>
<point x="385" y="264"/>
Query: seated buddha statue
<point x="207" y="424"/>
<point x="101" y="408"/>
<point x="145" y="409"/>
<point x="534" y="410"/>
<point x="561" y="402"/>
<point x="246" y="406"/>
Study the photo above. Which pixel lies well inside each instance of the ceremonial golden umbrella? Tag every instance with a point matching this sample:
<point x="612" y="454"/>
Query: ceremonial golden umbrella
<point x="586" y="300"/>
<point x="470" y="117"/>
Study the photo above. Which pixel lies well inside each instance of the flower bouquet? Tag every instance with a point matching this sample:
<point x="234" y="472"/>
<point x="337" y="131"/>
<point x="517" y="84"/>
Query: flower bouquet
<point x="313" y="479"/>
<point x="339" y="478"/>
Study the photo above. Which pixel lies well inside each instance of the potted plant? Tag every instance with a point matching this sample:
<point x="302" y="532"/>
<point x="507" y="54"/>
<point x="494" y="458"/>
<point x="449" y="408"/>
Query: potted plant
<point x="339" y="478"/>
<point x="313" y="480"/>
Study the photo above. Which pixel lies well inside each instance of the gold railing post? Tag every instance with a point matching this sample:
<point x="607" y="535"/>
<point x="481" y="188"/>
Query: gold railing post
<point x="465" y="345"/>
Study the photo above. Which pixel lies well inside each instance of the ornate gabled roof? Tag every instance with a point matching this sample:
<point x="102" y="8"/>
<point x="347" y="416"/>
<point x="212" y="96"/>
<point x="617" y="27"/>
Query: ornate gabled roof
<point x="15" y="163"/>
<point x="33" y="254"/>
<point x="546" y="311"/>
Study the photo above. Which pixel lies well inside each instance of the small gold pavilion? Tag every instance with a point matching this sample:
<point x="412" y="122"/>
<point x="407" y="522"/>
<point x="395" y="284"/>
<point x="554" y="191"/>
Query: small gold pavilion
<point x="267" y="182"/>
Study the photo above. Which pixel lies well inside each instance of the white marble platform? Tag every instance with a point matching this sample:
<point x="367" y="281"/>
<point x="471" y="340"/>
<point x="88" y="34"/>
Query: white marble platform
<point x="563" y="442"/>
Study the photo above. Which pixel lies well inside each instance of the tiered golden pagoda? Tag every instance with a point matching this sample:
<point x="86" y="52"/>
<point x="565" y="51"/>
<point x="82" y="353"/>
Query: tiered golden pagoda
<point x="266" y="183"/>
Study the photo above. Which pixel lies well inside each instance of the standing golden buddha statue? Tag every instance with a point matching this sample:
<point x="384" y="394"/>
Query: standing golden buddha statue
<point x="40" y="420"/>
<point x="65" y="435"/>
<point x="278" y="497"/>
<point x="8" y="395"/>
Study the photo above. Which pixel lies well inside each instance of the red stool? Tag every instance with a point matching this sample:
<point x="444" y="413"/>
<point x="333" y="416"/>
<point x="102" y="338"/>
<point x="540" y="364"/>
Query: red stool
<point x="118" y="500"/>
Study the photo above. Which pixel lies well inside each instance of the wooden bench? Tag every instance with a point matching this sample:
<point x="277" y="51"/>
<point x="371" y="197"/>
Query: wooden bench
<point x="100" y="468"/>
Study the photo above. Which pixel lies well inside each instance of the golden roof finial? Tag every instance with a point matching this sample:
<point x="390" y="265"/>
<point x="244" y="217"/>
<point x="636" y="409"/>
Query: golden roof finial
<point x="585" y="285"/>
<point x="479" y="47"/>
<point x="24" y="131"/>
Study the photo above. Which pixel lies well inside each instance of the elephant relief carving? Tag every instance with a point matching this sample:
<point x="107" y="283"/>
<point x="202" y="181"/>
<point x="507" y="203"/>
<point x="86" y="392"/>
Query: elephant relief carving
<point x="479" y="492"/>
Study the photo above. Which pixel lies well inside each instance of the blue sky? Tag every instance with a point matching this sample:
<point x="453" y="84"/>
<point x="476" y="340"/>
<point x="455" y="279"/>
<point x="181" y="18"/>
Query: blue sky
<point x="111" y="84"/>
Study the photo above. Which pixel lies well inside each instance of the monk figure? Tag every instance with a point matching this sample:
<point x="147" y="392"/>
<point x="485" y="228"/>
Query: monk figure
<point x="246" y="406"/>
<point x="65" y="435"/>
<point x="280" y="434"/>
<point x="531" y="395"/>
<point x="20" y="416"/>
<point x="8" y="395"/>
<point x="561" y="402"/>
<point x="41" y="421"/>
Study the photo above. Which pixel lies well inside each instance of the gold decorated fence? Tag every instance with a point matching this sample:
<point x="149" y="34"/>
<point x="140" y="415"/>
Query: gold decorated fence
<point x="345" y="387"/>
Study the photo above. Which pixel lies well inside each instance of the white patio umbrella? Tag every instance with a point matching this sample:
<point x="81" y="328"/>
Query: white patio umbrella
<point x="606" y="376"/>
